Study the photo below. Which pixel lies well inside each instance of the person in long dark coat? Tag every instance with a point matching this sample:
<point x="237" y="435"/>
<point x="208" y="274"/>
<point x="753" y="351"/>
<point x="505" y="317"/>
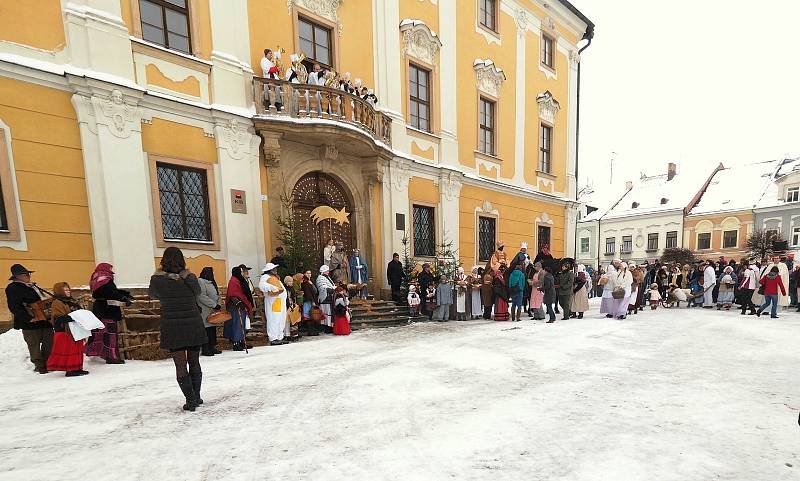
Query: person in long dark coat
<point x="487" y="291"/>
<point x="425" y="279"/>
<point x="394" y="276"/>
<point x="549" y="290"/>
<point x="38" y="335"/>
<point x="108" y="300"/>
<point x="182" y="331"/>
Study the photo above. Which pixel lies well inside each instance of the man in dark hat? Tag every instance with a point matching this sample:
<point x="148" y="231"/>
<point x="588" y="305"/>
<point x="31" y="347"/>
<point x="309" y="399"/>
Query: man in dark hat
<point x="38" y="335"/>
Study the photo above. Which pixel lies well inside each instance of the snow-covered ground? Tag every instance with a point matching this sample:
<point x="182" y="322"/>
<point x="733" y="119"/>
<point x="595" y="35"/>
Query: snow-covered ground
<point x="668" y="395"/>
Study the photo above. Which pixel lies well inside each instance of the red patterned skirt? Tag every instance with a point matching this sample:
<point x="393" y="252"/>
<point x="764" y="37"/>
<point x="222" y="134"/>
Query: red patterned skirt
<point x="67" y="354"/>
<point x="500" y="309"/>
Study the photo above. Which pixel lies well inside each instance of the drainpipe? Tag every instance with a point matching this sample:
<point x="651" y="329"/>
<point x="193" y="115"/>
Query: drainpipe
<point x="587" y="35"/>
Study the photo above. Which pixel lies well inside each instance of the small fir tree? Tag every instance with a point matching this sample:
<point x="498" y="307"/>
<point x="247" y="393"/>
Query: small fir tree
<point x="409" y="268"/>
<point x="447" y="261"/>
<point x="677" y="255"/>
<point x="297" y="256"/>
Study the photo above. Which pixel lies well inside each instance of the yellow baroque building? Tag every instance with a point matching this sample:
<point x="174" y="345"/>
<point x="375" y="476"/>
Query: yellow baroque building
<point x="133" y="125"/>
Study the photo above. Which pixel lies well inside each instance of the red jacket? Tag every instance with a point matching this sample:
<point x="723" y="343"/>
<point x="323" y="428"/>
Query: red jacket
<point x="771" y="285"/>
<point x="235" y="291"/>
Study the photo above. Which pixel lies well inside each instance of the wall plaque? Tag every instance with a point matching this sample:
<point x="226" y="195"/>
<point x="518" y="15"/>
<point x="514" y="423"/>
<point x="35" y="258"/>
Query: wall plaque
<point x="238" y="202"/>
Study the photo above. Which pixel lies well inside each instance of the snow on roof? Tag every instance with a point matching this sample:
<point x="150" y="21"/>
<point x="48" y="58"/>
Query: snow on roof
<point x="654" y="194"/>
<point x="735" y="188"/>
<point x="772" y="196"/>
<point x="415" y="22"/>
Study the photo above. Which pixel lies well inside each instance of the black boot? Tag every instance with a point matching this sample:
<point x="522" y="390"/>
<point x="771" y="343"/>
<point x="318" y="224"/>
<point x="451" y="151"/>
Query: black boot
<point x="580" y="315"/>
<point x="197" y="381"/>
<point x="185" y="384"/>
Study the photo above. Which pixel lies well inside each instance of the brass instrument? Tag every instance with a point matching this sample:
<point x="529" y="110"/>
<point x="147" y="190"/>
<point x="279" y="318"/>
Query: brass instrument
<point x="332" y="78"/>
<point x="277" y="56"/>
<point x="300" y="69"/>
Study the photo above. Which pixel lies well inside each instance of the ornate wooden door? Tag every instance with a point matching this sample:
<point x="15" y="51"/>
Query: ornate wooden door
<point x="317" y="189"/>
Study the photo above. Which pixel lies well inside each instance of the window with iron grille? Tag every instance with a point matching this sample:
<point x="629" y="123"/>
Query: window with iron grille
<point x="486" y="238"/>
<point x="487" y="14"/>
<point x="672" y="239"/>
<point x="611" y="245"/>
<point x="704" y="241"/>
<point x="652" y="242"/>
<point x="166" y="22"/>
<point x="547" y="51"/>
<point x="545" y="141"/>
<point x="542" y="236"/>
<point x="183" y="197"/>
<point x="424" y="232"/>
<point x="486" y="127"/>
<point x="315" y="42"/>
<point x="730" y="238"/>
<point x="627" y="243"/>
<point x="419" y="102"/>
<point x="584" y="245"/>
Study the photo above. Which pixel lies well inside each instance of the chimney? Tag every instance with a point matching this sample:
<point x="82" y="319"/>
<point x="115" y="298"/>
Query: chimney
<point x="629" y="185"/>
<point x="671" y="167"/>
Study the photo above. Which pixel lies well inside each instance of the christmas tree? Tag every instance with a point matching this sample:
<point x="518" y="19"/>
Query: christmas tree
<point x="409" y="268"/>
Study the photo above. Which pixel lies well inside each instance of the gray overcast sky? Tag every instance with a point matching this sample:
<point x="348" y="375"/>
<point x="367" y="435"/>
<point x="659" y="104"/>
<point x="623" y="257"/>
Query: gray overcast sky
<point x="697" y="82"/>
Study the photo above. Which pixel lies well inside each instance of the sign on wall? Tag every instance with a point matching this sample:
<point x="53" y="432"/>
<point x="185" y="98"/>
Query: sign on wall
<point x="238" y="202"/>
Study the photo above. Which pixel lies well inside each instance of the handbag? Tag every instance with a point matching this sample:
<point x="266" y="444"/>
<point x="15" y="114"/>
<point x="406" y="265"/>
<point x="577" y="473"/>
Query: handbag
<point x="761" y="289"/>
<point x="618" y="292"/>
<point x="219" y="317"/>
<point x="316" y="314"/>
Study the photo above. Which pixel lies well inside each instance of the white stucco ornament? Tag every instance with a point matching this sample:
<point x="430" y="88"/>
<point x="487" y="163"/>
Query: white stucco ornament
<point x="233" y="138"/>
<point x="450" y="185"/>
<point x="544" y="219"/>
<point x="401" y="174"/>
<point x="548" y="106"/>
<point x="120" y="116"/>
<point x="574" y="58"/>
<point x="489" y="77"/>
<point x="327" y="9"/>
<point x="521" y="18"/>
<point x="419" y="40"/>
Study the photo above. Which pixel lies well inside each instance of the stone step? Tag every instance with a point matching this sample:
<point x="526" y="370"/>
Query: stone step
<point x="358" y="324"/>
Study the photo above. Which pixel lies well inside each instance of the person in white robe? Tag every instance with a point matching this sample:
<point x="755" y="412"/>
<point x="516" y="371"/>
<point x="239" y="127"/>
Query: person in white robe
<point x="328" y="251"/>
<point x="783" y="271"/>
<point x="607" y="302"/>
<point x="709" y="280"/>
<point x="274" y="305"/>
<point x="326" y="288"/>
<point x="270" y="70"/>
<point x="624" y="279"/>
<point x="461" y="295"/>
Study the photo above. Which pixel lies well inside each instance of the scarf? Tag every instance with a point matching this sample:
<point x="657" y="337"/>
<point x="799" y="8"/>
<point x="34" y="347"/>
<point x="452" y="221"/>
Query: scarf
<point x="102" y="275"/>
<point x="208" y="274"/>
<point x="237" y="273"/>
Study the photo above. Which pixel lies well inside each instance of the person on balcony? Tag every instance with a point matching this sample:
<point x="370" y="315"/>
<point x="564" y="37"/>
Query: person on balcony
<point x="270" y="71"/>
<point x="293" y="73"/>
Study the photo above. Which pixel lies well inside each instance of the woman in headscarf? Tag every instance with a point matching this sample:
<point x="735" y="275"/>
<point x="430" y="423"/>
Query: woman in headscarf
<point x="208" y="300"/>
<point x="239" y="302"/>
<point x="501" y="297"/>
<point x="107" y="307"/>
<point x="622" y="279"/>
<point x="580" y="294"/>
<point x="325" y="293"/>
<point x="607" y="281"/>
<point x="67" y="353"/>
<point x="474" y="282"/>
<point x="182" y="332"/>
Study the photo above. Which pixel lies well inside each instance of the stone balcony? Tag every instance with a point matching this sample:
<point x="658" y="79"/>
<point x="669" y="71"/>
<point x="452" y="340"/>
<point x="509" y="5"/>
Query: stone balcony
<point x="309" y="102"/>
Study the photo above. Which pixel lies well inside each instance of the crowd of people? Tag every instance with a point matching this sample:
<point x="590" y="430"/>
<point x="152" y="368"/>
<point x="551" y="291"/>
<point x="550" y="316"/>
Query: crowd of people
<point x="296" y="73"/>
<point x="58" y="332"/>
<point x="754" y="286"/>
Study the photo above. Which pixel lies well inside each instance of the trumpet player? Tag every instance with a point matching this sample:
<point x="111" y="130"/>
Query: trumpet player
<point x="271" y="71"/>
